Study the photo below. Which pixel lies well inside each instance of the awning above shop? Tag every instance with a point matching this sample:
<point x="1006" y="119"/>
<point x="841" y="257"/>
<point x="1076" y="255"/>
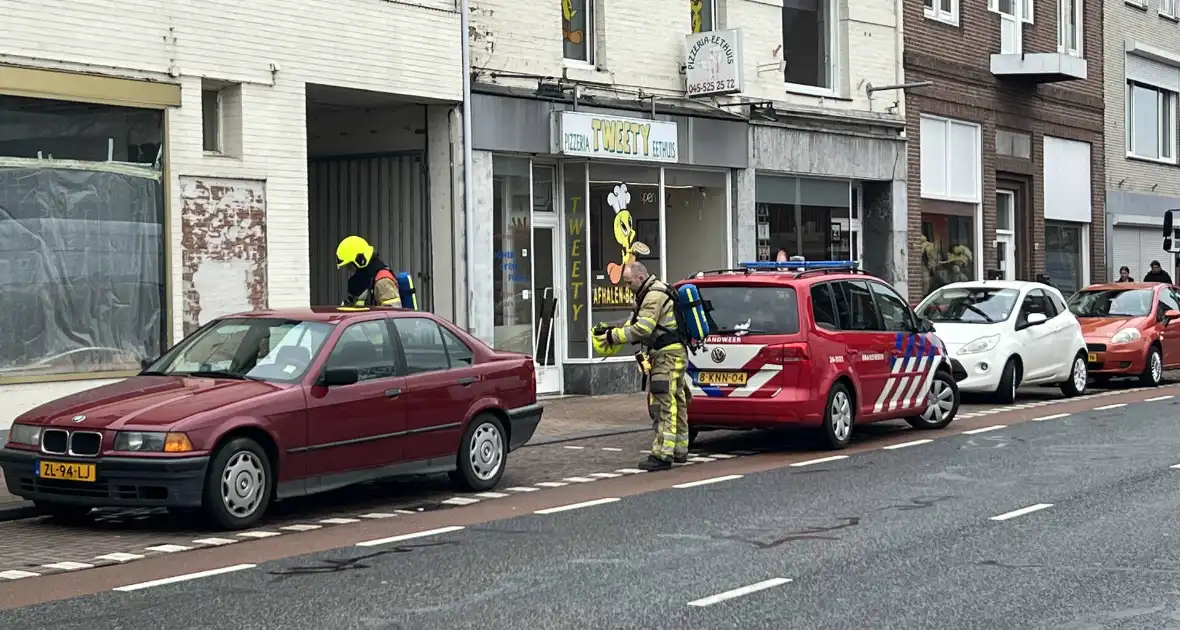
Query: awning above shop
<point x="87" y="88"/>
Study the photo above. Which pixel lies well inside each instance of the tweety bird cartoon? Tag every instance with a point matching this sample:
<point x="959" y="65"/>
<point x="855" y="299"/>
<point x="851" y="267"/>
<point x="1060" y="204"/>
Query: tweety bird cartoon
<point x="696" y="6"/>
<point x="567" y="27"/>
<point x="624" y="233"/>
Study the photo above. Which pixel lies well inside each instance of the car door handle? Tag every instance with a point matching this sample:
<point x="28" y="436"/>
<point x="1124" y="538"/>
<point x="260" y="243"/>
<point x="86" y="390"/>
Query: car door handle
<point x="466" y="380"/>
<point x="393" y="393"/>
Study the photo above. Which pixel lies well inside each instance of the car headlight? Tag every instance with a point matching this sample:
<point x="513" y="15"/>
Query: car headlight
<point x="152" y="442"/>
<point x="983" y="344"/>
<point x="1126" y="335"/>
<point x="25" y="434"/>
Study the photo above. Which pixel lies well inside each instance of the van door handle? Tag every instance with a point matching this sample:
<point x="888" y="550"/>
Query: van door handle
<point x="466" y="380"/>
<point x="393" y="393"/>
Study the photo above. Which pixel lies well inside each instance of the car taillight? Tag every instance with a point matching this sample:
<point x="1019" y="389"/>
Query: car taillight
<point x="784" y="353"/>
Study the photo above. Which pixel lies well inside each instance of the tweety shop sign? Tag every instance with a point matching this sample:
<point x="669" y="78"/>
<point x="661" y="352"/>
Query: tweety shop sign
<point x="616" y="138"/>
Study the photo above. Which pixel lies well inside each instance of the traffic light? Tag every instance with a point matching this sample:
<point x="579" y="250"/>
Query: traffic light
<point x="1170" y="240"/>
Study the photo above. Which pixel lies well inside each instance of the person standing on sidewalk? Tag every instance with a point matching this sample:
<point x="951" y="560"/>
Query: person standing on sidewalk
<point x="653" y="325"/>
<point x="1157" y="274"/>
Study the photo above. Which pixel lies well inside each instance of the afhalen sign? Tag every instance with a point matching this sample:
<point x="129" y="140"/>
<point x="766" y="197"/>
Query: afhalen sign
<point x="599" y="135"/>
<point x="713" y="63"/>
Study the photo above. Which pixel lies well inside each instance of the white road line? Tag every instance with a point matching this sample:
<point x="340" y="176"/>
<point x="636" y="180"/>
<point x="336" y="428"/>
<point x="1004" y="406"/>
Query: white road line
<point x="339" y="521"/>
<point x="696" y="460"/>
<point x="17" y="575"/>
<point x="996" y="427"/>
<point x="376" y="515"/>
<point x="407" y="511"/>
<point x="575" y="448"/>
<point x="258" y="534"/>
<point x="1158" y="398"/>
<point x="168" y="548"/>
<point x="216" y="542"/>
<point x="721" y="456"/>
<point x="628" y="471"/>
<point x="1114" y="406"/>
<point x="893" y="447"/>
<point x="605" y="475"/>
<point x="491" y="495"/>
<point x="1177" y="466"/>
<point x="184" y="578"/>
<point x="578" y="479"/>
<point x="421" y="534"/>
<point x="552" y="484"/>
<point x="521" y="489"/>
<point x="68" y="566"/>
<point x="575" y="506"/>
<point x="460" y="501"/>
<point x="1021" y="512"/>
<point x="822" y="460"/>
<point x="612" y="449"/>
<point x="1052" y="417"/>
<point x="301" y="527"/>
<point x="705" y="482"/>
<point x="119" y="557"/>
<point x="738" y="592"/>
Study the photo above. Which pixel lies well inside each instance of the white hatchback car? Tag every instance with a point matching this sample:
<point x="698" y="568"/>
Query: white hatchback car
<point x="1007" y="334"/>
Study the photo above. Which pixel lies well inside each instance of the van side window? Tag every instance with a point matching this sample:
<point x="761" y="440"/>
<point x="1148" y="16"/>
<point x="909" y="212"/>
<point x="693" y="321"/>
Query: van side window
<point x="855" y="306"/>
<point x="822" y="307"/>
<point x="895" y="313"/>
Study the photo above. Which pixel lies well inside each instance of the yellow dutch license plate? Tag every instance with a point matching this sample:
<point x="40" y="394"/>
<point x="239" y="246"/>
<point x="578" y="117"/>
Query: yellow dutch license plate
<point x="1093" y="358"/>
<point x="721" y="378"/>
<point x="66" y="471"/>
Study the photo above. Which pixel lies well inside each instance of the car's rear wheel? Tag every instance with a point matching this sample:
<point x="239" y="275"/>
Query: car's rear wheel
<point x="943" y="403"/>
<point x="1009" y="381"/>
<point x="238" y="485"/>
<point x="1153" y="369"/>
<point x="62" y="511"/>
<point x="839" y="416"/>
<point x="482" y="454"/>
<point x="1076" y="385"/>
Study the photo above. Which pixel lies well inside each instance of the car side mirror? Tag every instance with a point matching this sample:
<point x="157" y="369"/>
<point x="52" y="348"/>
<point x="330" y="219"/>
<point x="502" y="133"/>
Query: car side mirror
<point x="925" y="325"/>
<point x="1034" y="319"/>
<point x="338" y="376"/>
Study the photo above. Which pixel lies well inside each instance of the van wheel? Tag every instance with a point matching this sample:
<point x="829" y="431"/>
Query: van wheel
<point x="1153" y="370"/>
<point x="238" y="485"/>
<point x="942" y="406"/>
<point x="839" y="416"/>
<point x="1006" y="391"/>
<point x="1076" y="385"/>
<point x="482" y="454"/>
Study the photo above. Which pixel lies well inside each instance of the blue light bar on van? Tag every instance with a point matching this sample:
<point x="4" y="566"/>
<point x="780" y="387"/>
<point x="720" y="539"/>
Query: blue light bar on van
<point x="793" y="265"/>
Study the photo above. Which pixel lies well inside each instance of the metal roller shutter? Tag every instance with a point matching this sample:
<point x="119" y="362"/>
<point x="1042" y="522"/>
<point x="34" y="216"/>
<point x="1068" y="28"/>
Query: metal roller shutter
<point x="1136" y="247"/>
<point x="1153" y="73"/>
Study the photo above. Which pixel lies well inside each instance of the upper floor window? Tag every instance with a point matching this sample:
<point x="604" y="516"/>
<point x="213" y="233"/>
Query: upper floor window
<point x="1151" y="122"/>
<point x="1069" y="27"/>
<point x="704" y="15"/>
<point x="1010" y="8"/>
<point x="1168" y="8"/>
<point x="943" y="10"/>
<point x="577" y="26"/>
<point x="809" y="35"/>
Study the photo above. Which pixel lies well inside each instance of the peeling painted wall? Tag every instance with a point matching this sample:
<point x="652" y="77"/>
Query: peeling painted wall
<point x="223" y="237"/>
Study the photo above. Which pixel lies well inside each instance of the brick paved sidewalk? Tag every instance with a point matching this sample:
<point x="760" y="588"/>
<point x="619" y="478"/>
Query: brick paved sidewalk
<point x="567" y="417"/>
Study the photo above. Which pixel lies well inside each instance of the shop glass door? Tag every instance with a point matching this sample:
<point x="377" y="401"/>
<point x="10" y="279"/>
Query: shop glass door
<point x="546" y="296"/>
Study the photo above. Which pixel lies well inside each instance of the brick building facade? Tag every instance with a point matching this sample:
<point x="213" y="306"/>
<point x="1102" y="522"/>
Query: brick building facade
<point x="1011" y="173"/>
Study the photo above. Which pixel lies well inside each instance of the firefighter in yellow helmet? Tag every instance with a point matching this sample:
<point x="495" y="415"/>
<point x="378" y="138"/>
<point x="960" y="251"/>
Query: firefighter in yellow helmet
<point x="372" y="283"/>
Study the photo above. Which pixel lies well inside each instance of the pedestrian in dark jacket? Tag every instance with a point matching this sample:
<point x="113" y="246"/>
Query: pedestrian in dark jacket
<point x="1125" y="275"/>
<point x="1157" y="274"/>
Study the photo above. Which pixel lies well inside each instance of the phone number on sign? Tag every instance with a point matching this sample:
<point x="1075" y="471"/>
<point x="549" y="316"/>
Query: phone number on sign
<point x="706" y="87"/>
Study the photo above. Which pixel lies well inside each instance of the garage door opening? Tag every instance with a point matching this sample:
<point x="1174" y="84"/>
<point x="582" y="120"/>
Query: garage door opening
<point x="367" y="175"/>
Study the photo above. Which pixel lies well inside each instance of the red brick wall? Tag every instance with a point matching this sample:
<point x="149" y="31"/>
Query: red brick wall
<point x="958" y="60"/>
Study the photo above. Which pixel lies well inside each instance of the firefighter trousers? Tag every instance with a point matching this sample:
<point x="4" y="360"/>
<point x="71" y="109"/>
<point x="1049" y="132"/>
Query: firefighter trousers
<point x="667" y="401"/>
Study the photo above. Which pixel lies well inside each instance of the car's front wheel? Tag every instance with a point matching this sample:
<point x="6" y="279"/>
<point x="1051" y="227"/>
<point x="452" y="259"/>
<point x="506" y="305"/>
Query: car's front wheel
<point x="482" y="454"/>
<point x="942" y="406"/>
<point x="1153" y="369"/>
<point x="238" y="485"/>
<point x="839" y="417"/>
<point x="1076" y="385"/>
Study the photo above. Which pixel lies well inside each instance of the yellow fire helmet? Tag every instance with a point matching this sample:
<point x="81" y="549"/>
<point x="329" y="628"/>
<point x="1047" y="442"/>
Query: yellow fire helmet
<point x="353" y="250"/>
<point x="598" y="342"/>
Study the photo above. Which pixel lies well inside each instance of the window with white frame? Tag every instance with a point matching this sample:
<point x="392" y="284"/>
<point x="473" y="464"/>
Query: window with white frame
<point x="943" y="10"/>
<point x="1069" y="27"/>
<point x="1168" y="8"/>
<point x="1010" y="7"/>
<point x="703" y="15"/>
<point x="809" y="42"/>
<point x="1151" y="122"/>
<point x="951" y="160"/>
<point x="577" y="30"/>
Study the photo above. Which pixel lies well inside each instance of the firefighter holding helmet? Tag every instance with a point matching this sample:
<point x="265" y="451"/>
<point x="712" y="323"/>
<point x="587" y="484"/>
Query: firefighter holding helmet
<point x="372" y="283"/>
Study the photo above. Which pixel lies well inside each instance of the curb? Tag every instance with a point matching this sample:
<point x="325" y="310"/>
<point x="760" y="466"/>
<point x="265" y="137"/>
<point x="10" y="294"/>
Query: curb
<point x="572" y="437"/>
<point x="17" y="510"/>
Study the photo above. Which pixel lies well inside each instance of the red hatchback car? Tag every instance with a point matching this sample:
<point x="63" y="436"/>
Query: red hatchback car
<point x="277" y="404"/>
<point x="825" y="347"/>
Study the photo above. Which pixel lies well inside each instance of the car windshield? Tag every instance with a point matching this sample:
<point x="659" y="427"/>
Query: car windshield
<point x="246" y="349"/>
<point x="751" y="310"/>
<point x="1112" y="303"/>
<point x="969" y="305"/>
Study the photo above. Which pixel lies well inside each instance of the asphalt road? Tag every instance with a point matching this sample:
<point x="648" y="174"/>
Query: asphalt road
<point x="889" y="538"/>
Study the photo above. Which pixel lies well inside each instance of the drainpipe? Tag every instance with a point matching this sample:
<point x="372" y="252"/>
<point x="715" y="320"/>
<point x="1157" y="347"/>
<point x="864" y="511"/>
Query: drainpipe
<point x="469" y="217"/>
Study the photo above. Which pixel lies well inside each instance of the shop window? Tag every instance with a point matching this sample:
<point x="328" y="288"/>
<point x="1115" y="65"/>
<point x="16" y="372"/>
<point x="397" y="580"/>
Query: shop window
<point x="805" y="217"/>
<point x="577" y="30"/>
<point x="625" y="225"/>
<point x="703" y="15"/>
<point x="809" y="35"/>
<point x="1064" y="255"/>
<point x="82" y="273"/>
<point x="947" y="245"/>
<point x="512" y="237"/>
<point x="577" y="262"/>
<point x="696" y="217"/>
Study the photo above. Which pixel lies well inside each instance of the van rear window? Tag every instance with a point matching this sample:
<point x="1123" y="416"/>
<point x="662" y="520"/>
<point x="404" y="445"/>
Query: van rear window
<point x="755" y="310"/>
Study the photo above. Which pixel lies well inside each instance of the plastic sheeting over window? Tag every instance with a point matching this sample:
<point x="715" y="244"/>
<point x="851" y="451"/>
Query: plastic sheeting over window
<point x="81" y="267"/>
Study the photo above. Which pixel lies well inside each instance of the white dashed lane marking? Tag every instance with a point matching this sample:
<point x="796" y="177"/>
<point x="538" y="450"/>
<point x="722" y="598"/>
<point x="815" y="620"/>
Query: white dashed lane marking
<point x="1021" y="512"/>
<point x="168" y="548"/>
<point x="68" y="566"/>
<point x="17" y="575"/>
<point x="184" y="578"/>
<point x="1158" y="398"/>
<point x="460" y="501"/>
<point x="576" y="506"/>
<point x="822" y="460"/>
<point x="705" y="482"/>
<point x="1114" y="406"/>
<point x="995" y="427"/>
<point x="893" y="447"/>
<point x="119" y="557"/>
<point x="738" y="592"/>
<point x="216" y="542"/>
<point x="422" y="534"/>
<point x="1052" y="417"/>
